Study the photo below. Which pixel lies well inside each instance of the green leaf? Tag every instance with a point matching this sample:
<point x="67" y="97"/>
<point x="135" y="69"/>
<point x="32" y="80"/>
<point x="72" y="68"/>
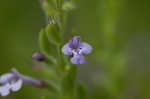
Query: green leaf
<point x="81" y="92"/>
<point x="49" y="49"/>
<point x="53" y="34"/>
<point x="53" y="87"/>
<point x="49" y="72"/>
<point x="59" y="3"/>
<point x="51" y="3"/>
<point x="68" y="85"/>
<point x="49" y="9"/>
<point x="67" y="6"/>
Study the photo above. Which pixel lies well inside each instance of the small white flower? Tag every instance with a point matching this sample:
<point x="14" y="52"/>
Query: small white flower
<point x="13" y="81"/>
<point x="9" y="83"/>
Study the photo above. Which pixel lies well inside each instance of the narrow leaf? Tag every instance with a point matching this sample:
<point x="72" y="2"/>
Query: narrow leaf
<point x="51" y="3"/>
<point x="53" y="34"/>
<point x="81" y="92"/>
<point x="68" y="84"/>
<point x="49" y="9"/>
<point x="48" y="48"/>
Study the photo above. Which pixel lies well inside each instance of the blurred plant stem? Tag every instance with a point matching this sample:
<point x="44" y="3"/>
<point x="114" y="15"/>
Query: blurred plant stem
<point x="62" y="73"/>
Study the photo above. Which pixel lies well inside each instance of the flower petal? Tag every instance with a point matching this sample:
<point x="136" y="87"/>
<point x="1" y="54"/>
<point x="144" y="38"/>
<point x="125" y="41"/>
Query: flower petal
<point x="15" y="86"/>
<point x="85" y="48"/>
<point x="5" y="89"/>
<point x="6" y="77"/>
<point x="66" y="49"/>
<point x="75" y="60"/>
<point x="78" y="59"/>
<point x="82" y="60"/>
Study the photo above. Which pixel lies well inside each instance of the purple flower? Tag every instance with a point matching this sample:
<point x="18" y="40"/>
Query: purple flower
<point x="13" y="81"/>
<point x="75" y="47"/>
<point x="38" y="56"/>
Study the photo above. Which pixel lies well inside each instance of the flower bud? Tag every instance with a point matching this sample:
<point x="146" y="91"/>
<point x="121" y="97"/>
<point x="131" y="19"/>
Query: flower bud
<point x="38" y="56"/>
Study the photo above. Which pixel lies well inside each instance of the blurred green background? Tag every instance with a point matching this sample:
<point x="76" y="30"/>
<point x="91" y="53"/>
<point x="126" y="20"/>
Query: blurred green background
<point x="118" y="30"/>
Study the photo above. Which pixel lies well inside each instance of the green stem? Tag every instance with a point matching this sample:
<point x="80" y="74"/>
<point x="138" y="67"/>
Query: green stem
<point x="59" y="4"/>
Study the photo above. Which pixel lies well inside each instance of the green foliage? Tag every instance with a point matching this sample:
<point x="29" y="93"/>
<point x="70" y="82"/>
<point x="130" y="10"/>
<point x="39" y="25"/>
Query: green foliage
<point x="118" y="31"/>
<point x="48" y="48"/>
<point x="81" y="91"/>
<point x="44" y="43"/>
<point x="68" y="83"/>
<point x="50" y="44"/>
<point x="50" y="3"/>
<point x="68" y="6"/>
<point x="49" y="9"/>
<point x="53" y="34"/>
